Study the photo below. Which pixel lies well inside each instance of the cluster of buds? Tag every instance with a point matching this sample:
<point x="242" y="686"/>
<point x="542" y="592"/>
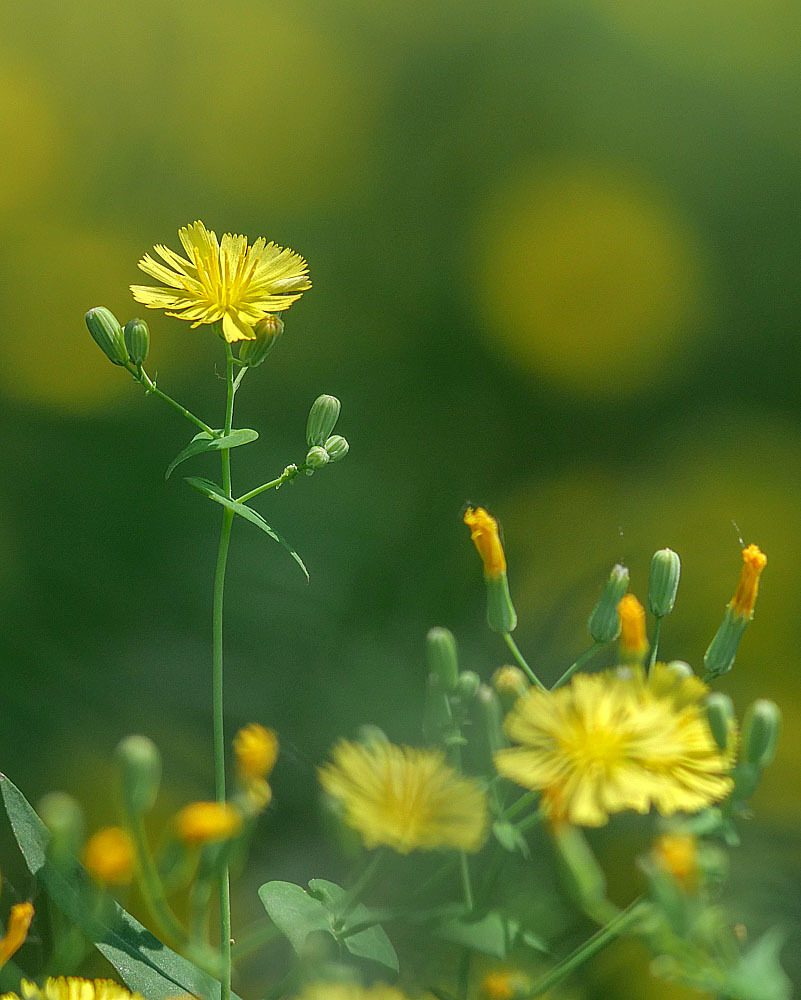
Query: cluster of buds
<point x="123" y="346"/>
<point x="324" y="447"/>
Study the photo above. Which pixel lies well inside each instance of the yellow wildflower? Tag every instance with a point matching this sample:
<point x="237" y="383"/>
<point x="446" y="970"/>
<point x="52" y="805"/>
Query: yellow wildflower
<point x="19" y="920"/>
<point x="109" y="856"/>
<point x="350" y="991"/>
<point x="256" y="750"/>
<point x="505" y="985"/>
<point x="484" y="535"/>
<point x="754" y="561"/>
<point x="613" y="741"/>
<point x="677" y="853"/>
<point x="208" y="822"/>
<point x="224" y="280"/>
<point x="72" y="988"/>
<point x="633" y="641"/>
<point x="405" y="798"/>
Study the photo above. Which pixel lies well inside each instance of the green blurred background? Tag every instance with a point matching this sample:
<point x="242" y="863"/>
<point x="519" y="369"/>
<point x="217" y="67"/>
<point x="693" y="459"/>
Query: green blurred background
<point x="555" y="257"/>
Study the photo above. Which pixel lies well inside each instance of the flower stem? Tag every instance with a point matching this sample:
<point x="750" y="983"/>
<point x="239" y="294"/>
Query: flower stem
<point x="467" y="887"/>
<point x="141" y="376"/>
<point x="354" y="894"/>
<point x="289" y="473"/>
<point x="522" y="661"/>
<point x="584" y="658"/>
<point x="655" y="643"/>
<point x="151" y="887"/>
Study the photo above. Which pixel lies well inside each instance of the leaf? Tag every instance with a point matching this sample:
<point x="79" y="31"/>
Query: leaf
<point x="203" y="442"/>
<point x="294" y="912"/>
<point x="493" y="934"/>
<point x="510" y="838"/>
<point x="372" y="942"/>
<point x="213" y="492"/>
<point x="146" y="965"/>
<point x="758" y="975"/>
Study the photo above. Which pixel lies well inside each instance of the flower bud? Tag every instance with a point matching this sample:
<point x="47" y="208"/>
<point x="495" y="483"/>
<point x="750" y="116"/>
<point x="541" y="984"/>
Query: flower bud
<point x="754" y="561"/>
<point x="371" y="735"/>
<point x="720" y="714"/>
<point x="139" y="762"/>
<point x="323" y="416"/>
<point x="761" y="726"/>
<point x="256" y="751"/>
<point x="437" y="711"/>
<point x="107" y="334"/>
<point x="506" y="985"/>
<point x="19" y="921"/>
<point x="137" y="340"/>
<point x="663" y="582"/>
<point x="63" y="817"/>
<point x="208" y="822"/>
<point x="510" y="682"/>
<point x="489" y="707"/>
<point x="253" y="352"/>
<point x="109" y="856"/>
<point x="337" y="447"/>
<point x="468" y="685"/>
<point x="633" y="641"/>
<point x="442" y="658"/>
<point x="316" y="458"/>
<point x="604" y="624"/>
<point x="719" y="657"/>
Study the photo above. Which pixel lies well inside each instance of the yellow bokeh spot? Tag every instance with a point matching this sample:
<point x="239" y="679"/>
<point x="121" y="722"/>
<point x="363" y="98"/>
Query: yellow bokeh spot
<point x="587" y="277"/>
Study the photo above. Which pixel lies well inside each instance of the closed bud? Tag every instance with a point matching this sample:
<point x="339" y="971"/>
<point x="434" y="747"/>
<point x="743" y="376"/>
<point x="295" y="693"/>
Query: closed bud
<point x="633" y="641"/>
<point x="441" y="657"/>
<point x="137" y="340"/>
<point x="437" y="712"/>
<point x="720" y="714"/>
<point x="501" y="614"/>
<point x="510" y="682"/>
<point x="722" y="652"/>
<point x="371" y="735"/>
<point x="323" y="416"/>
<point x="107" y="334"/>
<point x="139" y="762"/>
<point x="337" y="447"/>
<point x="663" y="582"/>
<point x="63" y="817"/>
<point x="761" y="727"/>
<point x="316" y="458"/>
<point x="468" y="685"/>
<point x="604" y="623"/>
<point x="491" y="712"/>
<point x="253" y="352"/>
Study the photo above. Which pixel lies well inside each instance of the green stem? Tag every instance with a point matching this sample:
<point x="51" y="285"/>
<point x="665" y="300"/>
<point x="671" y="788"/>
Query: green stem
<point x="606" y="935"/>
<point x="521" y="804"/>
<point x="151" y="886"/>
<point x="144" y="379"/>
<point x="289" y="473"/>
<point x="354" y="894"/>
<point x="522" y="661"/>
<point x="584" y="658"/>
<point x="467" y="887"/>
<point x="655" y="643"/>
<point x="528" y="821"/>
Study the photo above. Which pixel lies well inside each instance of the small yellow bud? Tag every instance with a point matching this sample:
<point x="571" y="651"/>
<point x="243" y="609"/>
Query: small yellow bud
<point x="510" y="681"/>
<point x="19" y="920"/>
<point x="109" y="856"/>
<point x="484" y="535"/>
<point x="208" y="822"/>
<point x="505" y="985"/>
<point x="633" y="641"/>
<point x="677" y="854"/>
<point x="256" y="750"/>
<point x="754" y="561"/>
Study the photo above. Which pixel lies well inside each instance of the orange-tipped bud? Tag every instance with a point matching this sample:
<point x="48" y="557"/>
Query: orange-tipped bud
<point x="484" y="535"/>
<point x="754" y="561"/>
<point x="109" y="856"/>
<point x="208" y="822"/>
<point x="633" y="640"/>
<point x="677" y="853"/>
<point x="505" y="985"/>
<point x="256" y="750"/>
<point x="19" y="920"/>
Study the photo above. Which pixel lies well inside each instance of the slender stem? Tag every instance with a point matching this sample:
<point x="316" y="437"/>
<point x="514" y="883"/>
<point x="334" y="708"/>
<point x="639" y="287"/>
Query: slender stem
<point x="289" y="473"/>
<point x="151" y="886"/>
<point x="521" y="803"/>
<point x="144" y="379"/>
<point x="254" y="939"/>
<point x="591" y="947"/>
<point x="528" y="821"/>
<point x="584" y="658"/>
<point x="522" y="661"/>
<point x="467" y="888"/>
<point x="354" y="894"/>
<point x="655" y="643"/>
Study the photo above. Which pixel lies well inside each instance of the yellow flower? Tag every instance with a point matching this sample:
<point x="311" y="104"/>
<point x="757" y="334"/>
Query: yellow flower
<point x="19" y="920"/>
<point x="224" y="280"/>
<point x="72" y="988"/>
<point x="754" y="561"/>
<point x="350" y="991"/>
<point x="109" y="856"/>
<point x="484" y="535"/>
<point x="505" y="985"/>
<point x="405" y="798"/>
<point x="633" y="641"/>
<point x="613" y="741"/>
<point x="208" y="822"/>
<point x="256" y="750"/>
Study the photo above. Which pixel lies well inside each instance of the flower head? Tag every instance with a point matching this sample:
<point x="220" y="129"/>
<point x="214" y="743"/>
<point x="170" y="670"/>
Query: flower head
<point x="405" y="798"/>
<point x="223" y="281"/>
<point x="256" y="750"/>
<point x="72" y="988"/>
<point x="754" y="561"/>
<point x="484" y="535"/>
<point x="109" y="856"/>
<point x="208" y="822"/>
<point x="19" y="920"/>
<point x="616" y="740"/>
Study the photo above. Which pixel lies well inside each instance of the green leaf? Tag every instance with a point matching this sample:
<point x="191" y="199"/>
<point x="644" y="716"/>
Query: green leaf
<point x="510" y="838"/>
<point x="145" y="964"/>
<point x="294" y="912"/>
<point x="372" y="942"/>
<point x="213" y="492"/>
<point x="758" y="975"/>
<point x="203" y="442"/>
<point x="493" y="934"/>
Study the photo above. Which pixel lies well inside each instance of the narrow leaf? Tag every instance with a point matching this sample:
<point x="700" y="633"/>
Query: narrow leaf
<point x="203" y="442"/>
<point x="294" y="912"/>
<point x="213" y="492"/>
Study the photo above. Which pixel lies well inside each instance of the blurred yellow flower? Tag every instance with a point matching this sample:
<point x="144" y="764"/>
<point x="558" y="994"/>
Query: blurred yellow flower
<point x="677" y="853"/>
<point x="754" y="561"/>
<point x="613" y="741"/>
<point x="223" y="280"/>
<point x="207" y="822"/>
<point x="256" y="750"/>
<point x="19" y="920"/>
<point x="350" y="991"/>
<point x="405" y="798"/>
<point x="484" y="535"/>
<point x="109" y="856"/>
<point x="506" y="985"/>
<point x="72" y="988"/>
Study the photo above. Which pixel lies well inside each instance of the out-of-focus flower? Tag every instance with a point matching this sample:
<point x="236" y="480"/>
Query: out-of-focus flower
<point x="109" y="856"/>
<point x="677" y="853"/>
<point x="350" y="991"/>
<point x="72" y="988"/>
<point x="614" y="741"/>
<point x="223" y="281"/>
<point x="405" y="798"/>
<point x="256" y="750"/>
<point x="208" y="822"/>
<point x="633" y="641"/>
<point x="19" y="920"/>
<point x="506" y="985"/>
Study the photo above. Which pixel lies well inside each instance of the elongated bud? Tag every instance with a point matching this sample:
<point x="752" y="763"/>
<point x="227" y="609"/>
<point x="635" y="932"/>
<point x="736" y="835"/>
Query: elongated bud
<point x="510" y="682"/>
<point x="107" y="334"/>
<point x="442" y="658"/>
<point x="604" y="624"/>
<point x="437" y="711"/>
<point x="501" y="614"/>
<point x="633" y="641"/>
<point x="468" y="685"/>
<point x="63" y="817"/>
<point x="742" y="604"/>
<point x="137" y="340"/>
<point x="316" y="458"/>
<point x="720" y="713"/>
<point x="337" y="447"/>
<point x="491" y="712"/>
<point x="719" y="657"/>
<point x="323" y="416"/>
<point x="761" y="727"/>
<point x="253" y="352"/>
<point x="663" y="582"/>
<point x="139" y="761"/>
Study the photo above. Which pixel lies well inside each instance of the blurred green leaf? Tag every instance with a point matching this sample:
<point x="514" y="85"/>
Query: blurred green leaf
<point x="145" y="964"/>
<point x="759" y="975"/>
<point x="493" y="934"/>
<point x="372" y="942"/>
<point x="294" y="912"/>
<point x="203" y="442"/>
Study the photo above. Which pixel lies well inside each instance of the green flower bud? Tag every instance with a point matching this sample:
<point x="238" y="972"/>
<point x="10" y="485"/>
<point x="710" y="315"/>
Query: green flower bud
<point x="316" y="458"/>
<point x="468" y="685"/>
<point x="337" y="447"/>
<point x="663" y="582"/>
<point x="437" y="713"/>
<point x="720" y="714"/>
<point x="680" y="669"/>
<point x="253" y="352"/>
<point x="491" y="713"/>
<point x="501" y="614"/>
<point x="139" y="762"/>
<point x="746" y="781"/>
<point x="107" y="334"/>
<point x="442" y="658"/>
<point x="137" y="340"/>
<point x="604" y="623"/>
<point x="719" y="657"/>
<point x="371" y="735"/>
<point x="761" y="727"/>
<point x="323" y="416"/>
<point x="63" y="817"/>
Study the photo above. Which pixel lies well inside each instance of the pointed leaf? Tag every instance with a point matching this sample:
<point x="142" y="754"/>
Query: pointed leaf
<point x="372" y="942"/>
<point x="294" y="912"/>
<point x="213" y="492"/>
<point x="203" y="442"/>
<point x="144" y="963"/>
<point x="492" y="934"/>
